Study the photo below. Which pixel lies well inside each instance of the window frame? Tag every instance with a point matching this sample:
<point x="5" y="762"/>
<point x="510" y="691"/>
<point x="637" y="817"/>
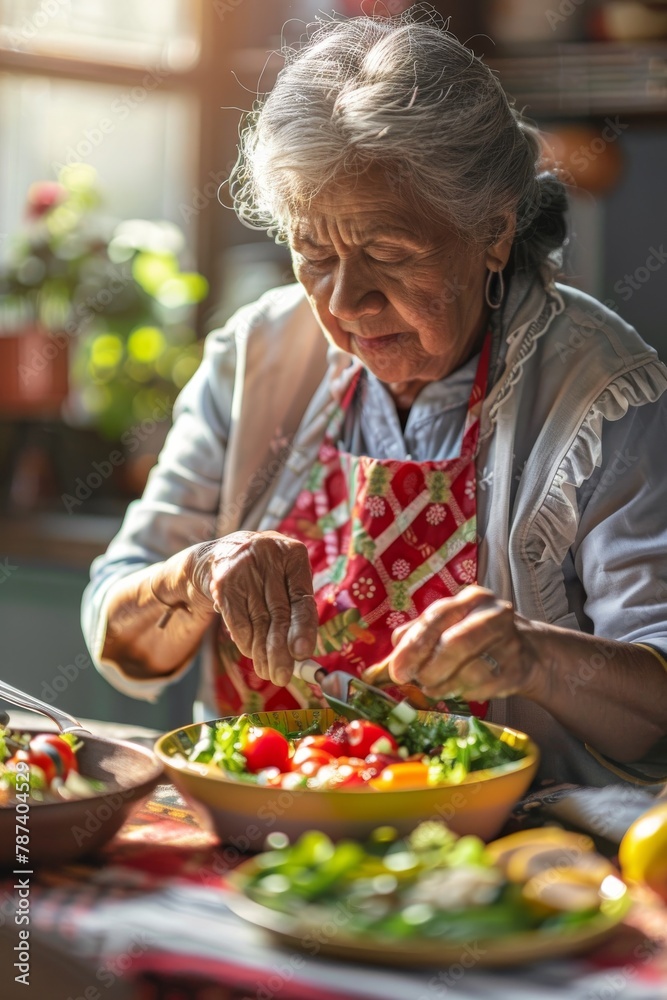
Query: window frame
<point x="211" y="80"/>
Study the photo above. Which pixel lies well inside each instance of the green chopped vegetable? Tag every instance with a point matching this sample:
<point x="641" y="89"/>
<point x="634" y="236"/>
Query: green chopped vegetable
<point x="474" y="750"/>
<point x="222" y="745"/>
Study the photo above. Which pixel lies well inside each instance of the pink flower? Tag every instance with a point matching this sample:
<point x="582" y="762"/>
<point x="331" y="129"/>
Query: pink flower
<point x="401" y="569"/>
<point x="436" y="513"/>
<point x="363" y="587"/>
<point x="375" y="506"/>
<point x="395" y="618"/>
<point x="468" y="571"/>
<point x="43" y="196"/>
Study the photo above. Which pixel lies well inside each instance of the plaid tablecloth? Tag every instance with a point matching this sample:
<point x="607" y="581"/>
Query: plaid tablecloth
<point x="154" y="915"/>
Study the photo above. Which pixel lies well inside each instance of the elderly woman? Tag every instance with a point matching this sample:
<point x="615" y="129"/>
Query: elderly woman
<point x="426" y="450"/>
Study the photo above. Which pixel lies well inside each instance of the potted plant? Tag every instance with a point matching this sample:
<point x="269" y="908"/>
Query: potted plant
<point x="103" y="301"/>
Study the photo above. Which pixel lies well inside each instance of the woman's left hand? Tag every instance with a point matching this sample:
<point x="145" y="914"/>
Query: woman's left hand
<point x="473" y="646"/>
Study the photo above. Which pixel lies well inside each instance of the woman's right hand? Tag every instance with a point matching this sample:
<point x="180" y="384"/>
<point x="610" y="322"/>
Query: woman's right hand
<point x="262" y="585"/>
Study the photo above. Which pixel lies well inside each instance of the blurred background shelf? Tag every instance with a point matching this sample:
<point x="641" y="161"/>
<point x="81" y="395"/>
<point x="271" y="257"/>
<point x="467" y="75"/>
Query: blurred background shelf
<point x="579" y="79"/>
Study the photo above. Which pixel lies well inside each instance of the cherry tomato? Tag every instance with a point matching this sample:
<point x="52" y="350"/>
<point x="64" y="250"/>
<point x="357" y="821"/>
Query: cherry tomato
<point x="310" y="755"/>
<point x="51" y="741"/>
<point x="410" y="774"/>
<point x="362" y="735"/>
<point x="265" y="747"/>
<point x="334" y="741"/>
<point x="33" y="758"/>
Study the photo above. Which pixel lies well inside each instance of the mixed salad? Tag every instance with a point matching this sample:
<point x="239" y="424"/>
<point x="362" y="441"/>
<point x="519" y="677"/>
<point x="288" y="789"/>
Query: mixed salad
<point x="49" y="763"/>
<point x="432" y="884"/>
<point x="392" y="747"/>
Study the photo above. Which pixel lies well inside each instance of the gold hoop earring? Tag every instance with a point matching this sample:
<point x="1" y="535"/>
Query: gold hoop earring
<point x="501" y="290"/>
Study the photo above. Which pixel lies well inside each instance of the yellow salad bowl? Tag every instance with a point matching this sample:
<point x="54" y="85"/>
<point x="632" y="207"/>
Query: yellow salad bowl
<point x="243" y="814"/>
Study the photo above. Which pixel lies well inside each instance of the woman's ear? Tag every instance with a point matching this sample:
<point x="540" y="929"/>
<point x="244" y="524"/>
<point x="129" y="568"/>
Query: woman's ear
<point x="498" y="253"/>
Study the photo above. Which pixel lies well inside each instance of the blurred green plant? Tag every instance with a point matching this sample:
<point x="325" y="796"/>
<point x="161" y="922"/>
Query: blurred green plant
<point x="115" y="289"/>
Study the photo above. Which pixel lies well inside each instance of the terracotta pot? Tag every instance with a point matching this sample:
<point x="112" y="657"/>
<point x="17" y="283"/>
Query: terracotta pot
<point x="585" y="156"/>
<point x="34" y="368"/>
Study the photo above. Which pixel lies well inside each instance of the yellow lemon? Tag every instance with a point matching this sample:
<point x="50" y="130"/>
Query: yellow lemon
<point x="643" y="851"/>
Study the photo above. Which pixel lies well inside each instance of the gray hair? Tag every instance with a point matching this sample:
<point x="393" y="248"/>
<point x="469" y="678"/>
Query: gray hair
<point x="404" y="94"/>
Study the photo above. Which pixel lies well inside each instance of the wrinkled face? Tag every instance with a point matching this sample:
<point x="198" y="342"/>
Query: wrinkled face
<point x="405" y="298"/>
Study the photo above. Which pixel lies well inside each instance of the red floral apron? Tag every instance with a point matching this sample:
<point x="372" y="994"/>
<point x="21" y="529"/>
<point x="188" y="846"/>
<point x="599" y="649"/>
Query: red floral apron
<point x="385" y="540"/>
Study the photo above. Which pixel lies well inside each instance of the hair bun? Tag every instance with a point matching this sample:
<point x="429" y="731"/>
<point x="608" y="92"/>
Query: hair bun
<point x="541" y="223"/>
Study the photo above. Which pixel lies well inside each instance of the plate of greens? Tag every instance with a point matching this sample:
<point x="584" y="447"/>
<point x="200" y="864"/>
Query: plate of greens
<point x="429" y="897"/>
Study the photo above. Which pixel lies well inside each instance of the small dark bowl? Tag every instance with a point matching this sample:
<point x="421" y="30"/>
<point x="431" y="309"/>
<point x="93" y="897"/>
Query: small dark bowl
<point x="62" y="831"/>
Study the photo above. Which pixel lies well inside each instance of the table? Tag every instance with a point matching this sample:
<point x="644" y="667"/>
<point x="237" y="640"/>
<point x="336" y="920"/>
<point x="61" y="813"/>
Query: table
<point x="151" y="922"/>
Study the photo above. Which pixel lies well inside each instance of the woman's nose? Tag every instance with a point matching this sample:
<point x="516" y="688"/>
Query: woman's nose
<point x="354" y="294"/>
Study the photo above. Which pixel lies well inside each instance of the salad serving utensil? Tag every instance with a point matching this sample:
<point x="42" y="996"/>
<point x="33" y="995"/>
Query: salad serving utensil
<point x="65" y="722"/>
<point x="338" y="688"/>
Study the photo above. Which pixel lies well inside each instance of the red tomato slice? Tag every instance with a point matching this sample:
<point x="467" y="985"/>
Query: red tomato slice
<point x="362" y="735"/>
<point x="265" y="747"/>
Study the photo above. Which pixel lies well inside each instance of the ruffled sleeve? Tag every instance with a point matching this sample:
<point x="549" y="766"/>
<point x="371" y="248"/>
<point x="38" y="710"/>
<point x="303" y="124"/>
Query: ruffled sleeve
<point x="556" y="523"/>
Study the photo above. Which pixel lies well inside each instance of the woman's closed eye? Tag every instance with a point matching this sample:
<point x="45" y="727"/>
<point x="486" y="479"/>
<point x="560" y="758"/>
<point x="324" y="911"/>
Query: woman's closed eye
<point x="386" y="258"/>
<point x="313" y="261"/>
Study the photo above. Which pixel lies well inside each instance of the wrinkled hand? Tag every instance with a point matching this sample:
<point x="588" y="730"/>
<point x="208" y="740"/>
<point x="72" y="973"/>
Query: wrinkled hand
<point x="472" y="646"/>
<point x="262" y="585"/>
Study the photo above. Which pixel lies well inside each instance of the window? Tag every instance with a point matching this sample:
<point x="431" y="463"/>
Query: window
<point x="126" y="32"/>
